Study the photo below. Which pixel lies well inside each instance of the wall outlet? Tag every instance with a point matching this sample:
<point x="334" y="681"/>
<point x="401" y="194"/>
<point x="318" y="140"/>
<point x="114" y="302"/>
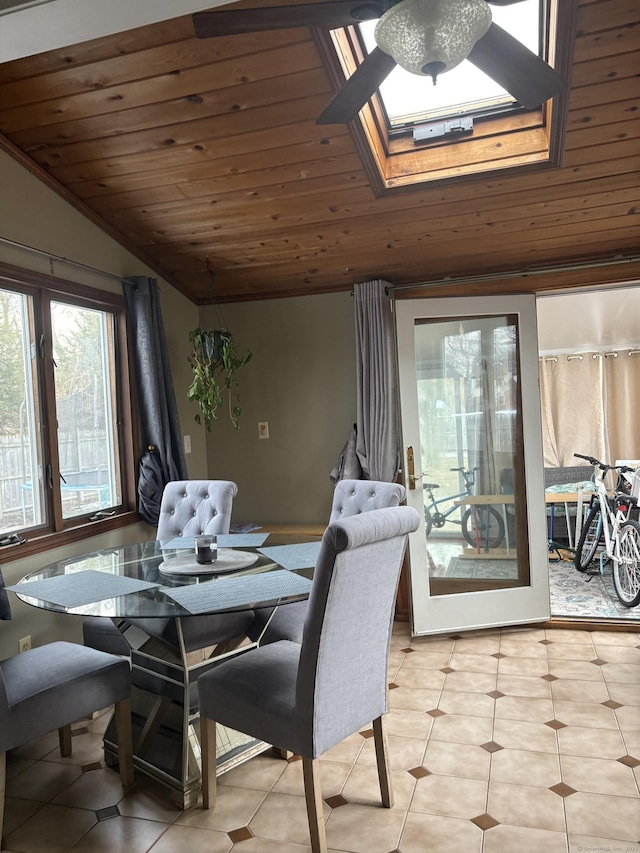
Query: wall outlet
<point x="24" y="644"/>
<point x="263" y="429"/>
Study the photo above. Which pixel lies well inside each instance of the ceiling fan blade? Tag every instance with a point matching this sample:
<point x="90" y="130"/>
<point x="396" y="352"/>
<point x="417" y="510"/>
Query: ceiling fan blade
<point x="347" y="103"/>
<point x="331" y="15"/>
<point x="516" y="68"/>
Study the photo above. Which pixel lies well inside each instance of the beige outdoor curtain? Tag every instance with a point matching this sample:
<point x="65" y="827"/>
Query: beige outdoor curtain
<point x="590" y="405"/>
<point x="621" y="384"/>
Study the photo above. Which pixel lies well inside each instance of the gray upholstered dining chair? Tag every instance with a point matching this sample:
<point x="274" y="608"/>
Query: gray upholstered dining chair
<point x="350" y="497"/>
<point x="195" y="507"/>
<point x="51" y="686"/>
<point x="308" y="697"/>
<point x="188" y="508"/>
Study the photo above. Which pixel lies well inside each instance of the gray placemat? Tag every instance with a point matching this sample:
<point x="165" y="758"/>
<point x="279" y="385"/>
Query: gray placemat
<point x="80" y="588"/>
<point x="225" y="540"/>
<point x="301" y="556"/>
<point x="226" y="593"/>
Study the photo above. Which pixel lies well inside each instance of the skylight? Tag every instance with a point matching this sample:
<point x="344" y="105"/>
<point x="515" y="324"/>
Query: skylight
<point x="464" y="90"/>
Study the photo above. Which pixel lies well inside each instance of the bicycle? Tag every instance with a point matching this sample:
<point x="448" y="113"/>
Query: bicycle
<point x="481" y="525"/>
<point x="609" y="518"/>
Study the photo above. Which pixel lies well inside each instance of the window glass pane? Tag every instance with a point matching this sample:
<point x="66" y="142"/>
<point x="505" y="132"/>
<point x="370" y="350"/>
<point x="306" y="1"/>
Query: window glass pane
<point x="467" y="373"/>
<point x="21" y="497"/>
<point x="83" y="351"/>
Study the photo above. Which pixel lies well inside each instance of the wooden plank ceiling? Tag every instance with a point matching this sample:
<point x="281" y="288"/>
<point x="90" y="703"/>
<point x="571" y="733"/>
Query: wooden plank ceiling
<point x="189" y="150"/>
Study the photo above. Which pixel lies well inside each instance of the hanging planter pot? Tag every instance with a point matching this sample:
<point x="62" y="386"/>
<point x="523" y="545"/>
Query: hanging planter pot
<point x="214" y="361"/>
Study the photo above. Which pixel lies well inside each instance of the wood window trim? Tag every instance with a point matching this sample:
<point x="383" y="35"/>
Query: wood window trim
<point x="40" y="540"/>
<point x="536" y="138"/>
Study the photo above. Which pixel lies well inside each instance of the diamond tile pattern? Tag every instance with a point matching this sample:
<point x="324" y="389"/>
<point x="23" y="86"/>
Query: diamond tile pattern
<point x="243" y="833"/>
<point x="485" y="821"/>
<point x="563" y="790"/>
<point x="629" y="760"/>
<point x="107" y="812"/>
<point x="555" y="724"/>
<point x="492" y="746"/>
<point x="419" y="772"/>
<point x="517" y="768"/>
<point x="336" y="802"/>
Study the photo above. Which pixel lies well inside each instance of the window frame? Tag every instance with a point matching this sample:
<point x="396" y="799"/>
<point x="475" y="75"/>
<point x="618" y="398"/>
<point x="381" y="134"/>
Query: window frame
<point x="57" y="531"/>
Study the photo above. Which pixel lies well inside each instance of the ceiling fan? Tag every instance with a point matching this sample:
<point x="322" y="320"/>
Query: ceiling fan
<point x="426" y="37"/>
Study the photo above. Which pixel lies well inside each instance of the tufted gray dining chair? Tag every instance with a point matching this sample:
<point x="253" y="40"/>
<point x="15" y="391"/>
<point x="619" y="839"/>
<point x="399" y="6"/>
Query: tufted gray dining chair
<point x="308" y="697"/>
<point x="51" y="686"/>
<point x="350" y="497"/>
<point x="195" y="507"/>
<point x="188" y="508"/>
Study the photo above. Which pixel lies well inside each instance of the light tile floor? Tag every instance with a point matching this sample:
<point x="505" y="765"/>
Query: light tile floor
<point x="500" y="741"/>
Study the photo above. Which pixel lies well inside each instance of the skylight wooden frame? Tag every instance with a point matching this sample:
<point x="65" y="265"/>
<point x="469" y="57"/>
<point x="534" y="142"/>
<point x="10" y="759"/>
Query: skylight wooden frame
<point x="535" y="138"/>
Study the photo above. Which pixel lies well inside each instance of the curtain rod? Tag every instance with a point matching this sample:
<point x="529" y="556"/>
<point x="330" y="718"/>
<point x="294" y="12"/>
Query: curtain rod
<point x="525" y="273"/>
<point x="62" y="260"/>
<point x="579" y="356"/>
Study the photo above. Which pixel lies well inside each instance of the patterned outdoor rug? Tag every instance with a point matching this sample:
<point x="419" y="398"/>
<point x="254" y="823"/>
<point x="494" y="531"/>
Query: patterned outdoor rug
<point x="572" y="593"/>
<point x="575" y="594"/>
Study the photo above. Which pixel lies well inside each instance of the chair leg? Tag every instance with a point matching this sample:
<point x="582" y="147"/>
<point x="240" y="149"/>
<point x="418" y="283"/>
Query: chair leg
<point x="382" y="759"/>
<point x="315" y="811"/>
<point x="64" y="736"/>
<point x="125" y="741"/>
<point x="3" y="785"/>
<point x="286" y="754"/>
<point x="208" y="752"/>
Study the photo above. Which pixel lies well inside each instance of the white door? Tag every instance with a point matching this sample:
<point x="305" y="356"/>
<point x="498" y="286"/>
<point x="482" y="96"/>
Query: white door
<point x="470" y="404"/>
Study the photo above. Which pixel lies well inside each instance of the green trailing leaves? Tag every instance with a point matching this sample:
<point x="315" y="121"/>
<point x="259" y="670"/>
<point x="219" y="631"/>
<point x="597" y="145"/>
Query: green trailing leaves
<point x="214" y="361"/>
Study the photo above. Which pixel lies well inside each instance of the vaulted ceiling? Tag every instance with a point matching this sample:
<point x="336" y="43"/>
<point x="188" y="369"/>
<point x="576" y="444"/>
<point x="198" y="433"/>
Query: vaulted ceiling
<point x="205" y="153"/>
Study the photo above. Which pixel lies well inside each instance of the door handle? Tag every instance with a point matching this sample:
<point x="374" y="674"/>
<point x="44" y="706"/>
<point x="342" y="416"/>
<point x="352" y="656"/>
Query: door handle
<point x="411" y="471"/>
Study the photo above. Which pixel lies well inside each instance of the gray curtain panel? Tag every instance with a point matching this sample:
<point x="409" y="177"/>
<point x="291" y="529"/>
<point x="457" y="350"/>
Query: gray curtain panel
<point x="378" y="434"/>
<point x="159" y="421"/>
<point x="5" y="607"/>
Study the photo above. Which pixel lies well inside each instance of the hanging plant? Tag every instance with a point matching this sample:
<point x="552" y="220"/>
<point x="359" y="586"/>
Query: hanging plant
<point x="214" y="360"/>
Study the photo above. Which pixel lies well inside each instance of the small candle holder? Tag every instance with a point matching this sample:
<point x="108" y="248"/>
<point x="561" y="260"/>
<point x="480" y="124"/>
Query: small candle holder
<point x="206" y="549"/>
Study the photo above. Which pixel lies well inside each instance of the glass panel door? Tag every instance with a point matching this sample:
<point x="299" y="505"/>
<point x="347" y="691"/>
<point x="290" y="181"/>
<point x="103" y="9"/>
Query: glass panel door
<point x="471" y="424"/>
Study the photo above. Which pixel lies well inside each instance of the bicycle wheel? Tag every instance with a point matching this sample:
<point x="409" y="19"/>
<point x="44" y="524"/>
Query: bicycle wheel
<point x="483" y="527"/>
<point x="590" y="536"/>
<point x="428" y="522"/>
<point x="626" y="566"/>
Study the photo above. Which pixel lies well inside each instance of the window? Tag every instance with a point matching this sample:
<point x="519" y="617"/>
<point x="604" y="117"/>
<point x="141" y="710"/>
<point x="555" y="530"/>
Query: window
<point x="65" y="423"/>
<point x="402" y="147"/>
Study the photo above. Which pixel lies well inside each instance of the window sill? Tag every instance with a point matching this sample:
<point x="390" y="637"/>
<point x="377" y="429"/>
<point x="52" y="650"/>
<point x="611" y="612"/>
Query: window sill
<point x="37" y="544"/>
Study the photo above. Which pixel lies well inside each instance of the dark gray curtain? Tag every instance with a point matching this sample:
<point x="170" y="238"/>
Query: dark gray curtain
<point x="377" y="441"/>
<point x="163" y="459"/>
<point x="372" y="450"/>
<point x="5" y="607"/>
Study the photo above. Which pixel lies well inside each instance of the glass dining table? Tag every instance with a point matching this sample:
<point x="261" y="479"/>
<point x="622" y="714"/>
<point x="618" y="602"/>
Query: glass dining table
<point x="135" y="585"/>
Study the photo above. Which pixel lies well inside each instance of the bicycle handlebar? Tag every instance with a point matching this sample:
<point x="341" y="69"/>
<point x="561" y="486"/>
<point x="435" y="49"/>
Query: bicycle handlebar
<point x="602" y="465"/>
